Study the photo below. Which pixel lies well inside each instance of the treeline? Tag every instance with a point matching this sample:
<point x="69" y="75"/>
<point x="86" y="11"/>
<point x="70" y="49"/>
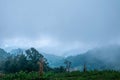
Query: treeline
<point x="28" y="65"/>
<point x="28" y="62"/>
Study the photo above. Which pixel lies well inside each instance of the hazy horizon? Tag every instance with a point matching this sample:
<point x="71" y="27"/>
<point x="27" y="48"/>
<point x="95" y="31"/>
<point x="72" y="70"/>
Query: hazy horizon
<point x="59" y="26"/>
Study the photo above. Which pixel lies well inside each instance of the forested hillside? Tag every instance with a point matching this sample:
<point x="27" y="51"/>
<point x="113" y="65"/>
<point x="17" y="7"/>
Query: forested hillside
<point x="21" y="65"/>
<point x="99" y="58"/>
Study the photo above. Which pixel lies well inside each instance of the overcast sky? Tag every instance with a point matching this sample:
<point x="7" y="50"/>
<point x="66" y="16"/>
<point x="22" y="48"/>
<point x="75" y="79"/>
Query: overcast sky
<point x="59" y="26"/>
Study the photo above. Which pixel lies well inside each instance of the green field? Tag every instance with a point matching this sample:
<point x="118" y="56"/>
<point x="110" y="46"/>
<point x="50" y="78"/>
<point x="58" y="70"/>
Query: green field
<point x="76" y="75"/>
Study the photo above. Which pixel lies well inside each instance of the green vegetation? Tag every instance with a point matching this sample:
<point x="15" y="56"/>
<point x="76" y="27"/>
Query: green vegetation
<point x="76" y="75"/>
<point x="29" y="61"/>
<point x="32" y="65"/>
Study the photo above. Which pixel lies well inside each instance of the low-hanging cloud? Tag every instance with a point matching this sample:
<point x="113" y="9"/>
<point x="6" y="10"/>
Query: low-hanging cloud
<point x="59" y="26"/>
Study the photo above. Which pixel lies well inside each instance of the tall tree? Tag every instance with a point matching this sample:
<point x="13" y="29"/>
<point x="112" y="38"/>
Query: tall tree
<point x="84" y="68"/>
<point x="33" y="57"/>
<point x="25" y="62"/>
<point x="68" y="65"/>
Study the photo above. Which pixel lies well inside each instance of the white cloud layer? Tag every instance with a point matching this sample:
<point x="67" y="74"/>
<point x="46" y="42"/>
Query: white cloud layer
<point x="59" y="26"/>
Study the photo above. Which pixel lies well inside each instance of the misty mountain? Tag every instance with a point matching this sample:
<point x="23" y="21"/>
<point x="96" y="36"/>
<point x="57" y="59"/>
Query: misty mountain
<point x="99" y="58"/>
<point x="53" y="60"/>
<point x="72" y="52"/>
<point x="17" y="51"/>
<point x="3" y="54"/>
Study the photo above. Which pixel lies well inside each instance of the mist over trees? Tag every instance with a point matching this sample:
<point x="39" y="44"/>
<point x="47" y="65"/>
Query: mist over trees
<point x="29" y="60"/>
<point x="33" y="65"/>
<point x="24" y="62"/>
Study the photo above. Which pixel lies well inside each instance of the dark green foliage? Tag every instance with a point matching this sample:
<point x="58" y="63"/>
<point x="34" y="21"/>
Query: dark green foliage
<point x="3" y="56"/>
<point x="25" y="67"/>
<point x="75" y="75"/>
<point x="24" y="62"/>
<point x="59" y="69"/>
<point x="21" y="76"/>
<point x="33" y="57"/>
<point x="15" y="63"/>
<point x="90" y="75"/>
<point x="84" y="68"/>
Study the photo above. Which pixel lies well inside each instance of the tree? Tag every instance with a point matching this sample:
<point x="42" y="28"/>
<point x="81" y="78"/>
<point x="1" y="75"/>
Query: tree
<point x="84" y="68"/>
<point x="68" y="65"/>
<point x="25" y="62"/>
<point x="41" y="65"/>
<point x="59" y="69"/>
<point x="15" y="63"/>
<point x="22" y="61"/>
<point x="33" y="57"/>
